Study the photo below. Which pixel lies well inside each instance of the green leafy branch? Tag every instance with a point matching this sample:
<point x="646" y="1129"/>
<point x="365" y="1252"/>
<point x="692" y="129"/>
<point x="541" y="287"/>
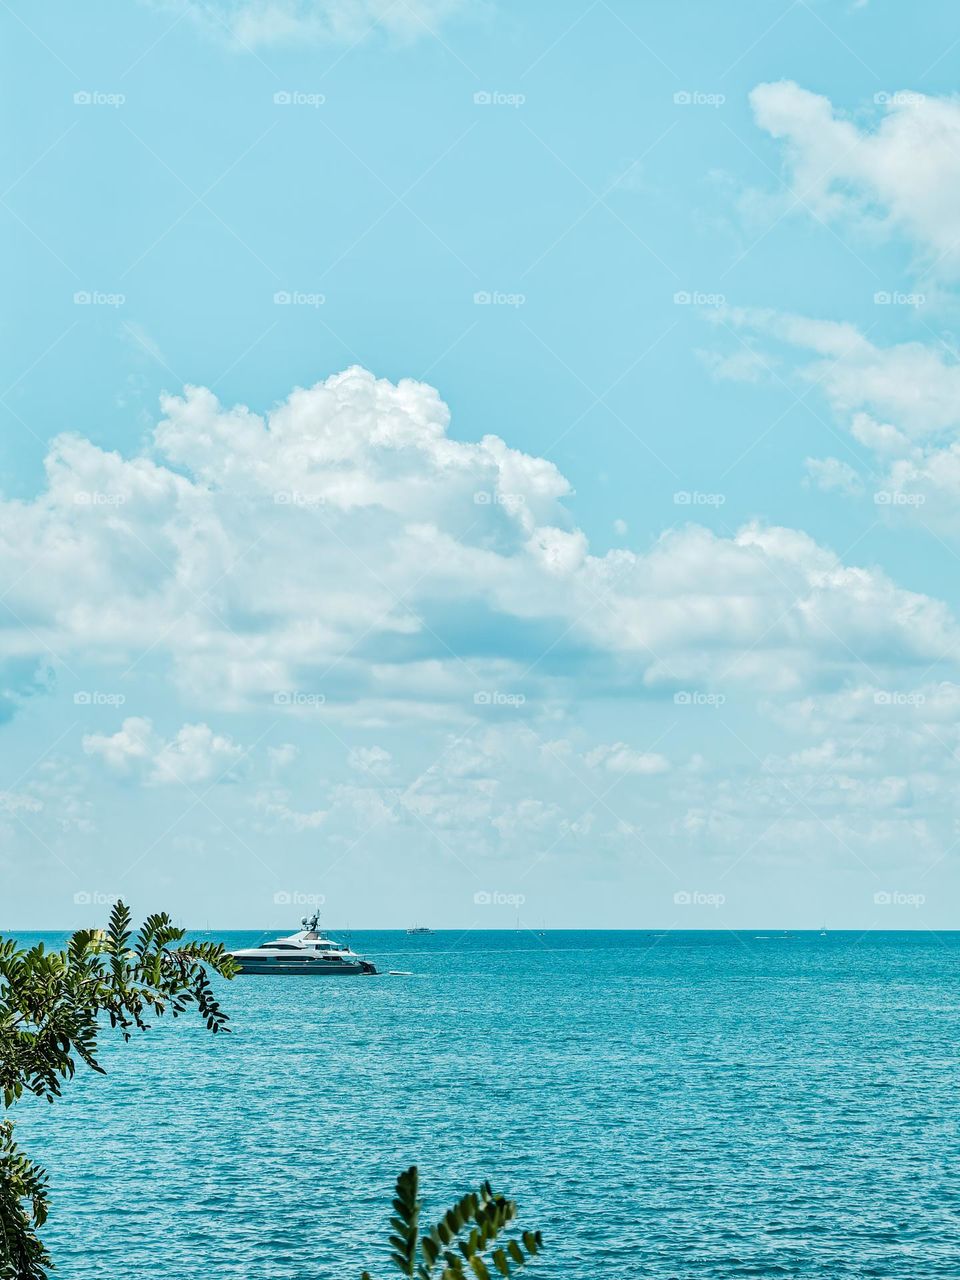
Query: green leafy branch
<point x="23" y="1210"/>
<point x="462" y="1238"/>
<point x="52" y="1004"/>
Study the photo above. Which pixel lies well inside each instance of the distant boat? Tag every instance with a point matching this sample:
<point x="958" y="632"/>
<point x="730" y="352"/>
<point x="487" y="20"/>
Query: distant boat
<point x="419" y="928"/>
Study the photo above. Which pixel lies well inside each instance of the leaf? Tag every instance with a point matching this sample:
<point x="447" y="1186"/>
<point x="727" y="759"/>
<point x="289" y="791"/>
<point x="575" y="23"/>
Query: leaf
<point x="532" y="1240"/>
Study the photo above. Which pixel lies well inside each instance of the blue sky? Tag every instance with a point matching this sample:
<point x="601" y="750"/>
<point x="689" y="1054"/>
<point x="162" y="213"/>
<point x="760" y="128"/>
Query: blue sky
<point x="456" y="449"/>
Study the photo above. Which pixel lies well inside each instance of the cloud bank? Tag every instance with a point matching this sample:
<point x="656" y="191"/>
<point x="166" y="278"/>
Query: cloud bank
<point x="345" y="551"/>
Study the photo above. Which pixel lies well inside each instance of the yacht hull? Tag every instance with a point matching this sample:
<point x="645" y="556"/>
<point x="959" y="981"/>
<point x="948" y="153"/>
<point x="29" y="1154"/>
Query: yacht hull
<point x="302" y="968"/>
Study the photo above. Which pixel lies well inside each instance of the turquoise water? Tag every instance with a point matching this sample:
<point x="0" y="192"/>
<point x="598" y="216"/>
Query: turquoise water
<point x="687" y="1105"/>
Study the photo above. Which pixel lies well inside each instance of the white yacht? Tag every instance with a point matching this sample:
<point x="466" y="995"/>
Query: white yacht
<point x="303" y="953"/>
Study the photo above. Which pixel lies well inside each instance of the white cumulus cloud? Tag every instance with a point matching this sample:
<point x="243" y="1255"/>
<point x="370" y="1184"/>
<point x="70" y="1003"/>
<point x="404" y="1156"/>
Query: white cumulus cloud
<point x="344" y="555"/>
<point x="901" y="402"/>
<point x="903" y="173"/>
<point x="195" y="754"/>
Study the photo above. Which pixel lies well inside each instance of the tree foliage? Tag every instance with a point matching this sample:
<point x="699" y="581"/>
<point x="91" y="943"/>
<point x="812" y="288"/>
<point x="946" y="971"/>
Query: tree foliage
<point x="23" y="1209"/>
<point x="53" y="1006"/>
<point x="469" y="1235"/>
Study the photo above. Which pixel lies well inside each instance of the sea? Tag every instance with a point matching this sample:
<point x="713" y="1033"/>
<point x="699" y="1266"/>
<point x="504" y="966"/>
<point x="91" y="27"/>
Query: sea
<point x="673" y="1105"/>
